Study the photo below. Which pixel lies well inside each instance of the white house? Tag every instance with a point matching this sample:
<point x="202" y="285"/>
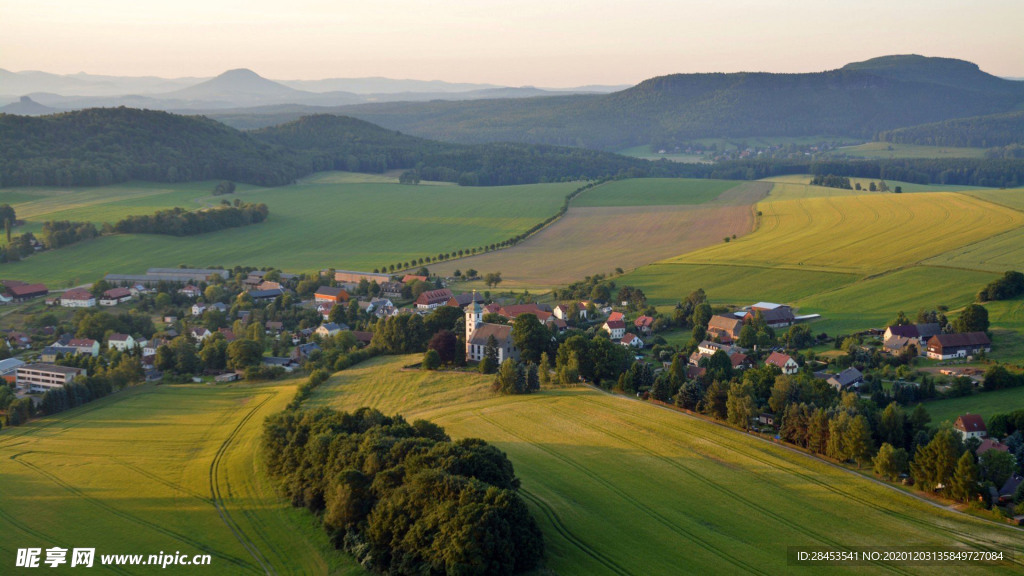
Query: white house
<point x="329" y="329"/>
<point x="149" y="348"/>
<point x="970" y="426"/>
<point x="77" y="298"/>
<point x="84" y="346"/>
<point x="121" y="342"/>
<point x="785" y="362"/>
<point x="632" y="340"/>
<point x="115" y="296"/>
<point x="616" y="329"/>
<point x="708" y="348"/>
<point x="199" y="333"/>
<point x="564" y="312"/>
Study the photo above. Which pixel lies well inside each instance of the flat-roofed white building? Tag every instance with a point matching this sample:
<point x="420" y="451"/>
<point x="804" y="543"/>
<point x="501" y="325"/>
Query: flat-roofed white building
<point x="42" y="377"/>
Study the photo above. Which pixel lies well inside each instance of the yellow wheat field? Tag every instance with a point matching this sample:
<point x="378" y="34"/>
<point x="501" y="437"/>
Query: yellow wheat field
<point x="863" y="234"/>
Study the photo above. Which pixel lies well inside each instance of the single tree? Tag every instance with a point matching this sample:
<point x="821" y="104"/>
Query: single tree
<point x="965" y="478"/>
<point x="973" y="318"/>
<point x="431" y="360"/>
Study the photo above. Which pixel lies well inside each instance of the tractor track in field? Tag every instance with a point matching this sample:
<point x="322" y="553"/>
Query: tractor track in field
<point x="563" y="531"/>
<point x="793" y="469"/>
<point x="127" y="516"/>
<point x="46" y="539"/>
<point x="172" y="485"/>
<point x="649" y="511"/>
<point x="217" y="497"/>
<point x="726" y="491"/>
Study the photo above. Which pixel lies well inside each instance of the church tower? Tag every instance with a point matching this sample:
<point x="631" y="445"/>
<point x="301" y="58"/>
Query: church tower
<point x="474" y="318"/>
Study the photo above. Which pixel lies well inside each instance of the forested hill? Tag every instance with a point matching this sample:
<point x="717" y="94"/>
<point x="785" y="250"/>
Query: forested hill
<point x="326" y="142"/>
<point x="109" y="145"/>
<point x="102" y="146"/>
<point x="977" y="132"/>
<point x="858" y="100"/>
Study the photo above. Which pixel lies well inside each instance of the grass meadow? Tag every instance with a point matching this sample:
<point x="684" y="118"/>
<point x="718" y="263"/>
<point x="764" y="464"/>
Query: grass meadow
<point x="151" y="469"/>
<point x="799" y="186"/>
<point x="886" y="150"/>
<point x="665" y="283"/>
<point x="624" y="487"/>
<point x="312" y="225"/>
<point x="645" y="153"/>
<point x="999" y="253"/>
<point x="984" y="403"/>
<point x="873" y="302"/>
<point x="654" y="192"/>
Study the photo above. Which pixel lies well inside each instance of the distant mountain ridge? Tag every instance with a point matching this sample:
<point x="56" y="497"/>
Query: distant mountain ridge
<point x="26" y="107"/>
<point x="242" y="88"/>
<point x="858" y="100"/>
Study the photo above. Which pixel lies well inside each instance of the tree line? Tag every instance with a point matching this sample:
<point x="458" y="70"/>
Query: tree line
<point x="97" y="147"/>
<point x="1010" y="285"/>
<point x="993" y="172"/>
<point x="990" y="131"/>
<point x="181" y="222"/>
<point x="403" y="498"/>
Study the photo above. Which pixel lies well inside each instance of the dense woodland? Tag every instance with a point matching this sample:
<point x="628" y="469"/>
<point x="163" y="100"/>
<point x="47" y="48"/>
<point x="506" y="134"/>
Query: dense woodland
<point x="404" y="498"/>
<point x="106" y="146"/>
<point x="102" y="146"/>
<point x="990" y="131"/>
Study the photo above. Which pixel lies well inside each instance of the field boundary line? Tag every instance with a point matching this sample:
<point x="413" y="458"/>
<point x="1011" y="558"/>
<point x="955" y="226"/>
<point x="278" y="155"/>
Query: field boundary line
<point x="968" y="194"/>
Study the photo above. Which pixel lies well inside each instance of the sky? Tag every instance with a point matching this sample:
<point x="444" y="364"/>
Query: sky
<point x="551" y="43"/>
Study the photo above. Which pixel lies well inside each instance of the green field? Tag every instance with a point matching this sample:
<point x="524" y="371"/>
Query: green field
<point x="645" y="153"/>
<point x="984" y="403"/>
<point x="654" y="192"/>
<point x="876" y="301"/>
<point x="1014" y="198"/>
<point x="104" y="203"/>
<point x="799" y="186"/>
<point x="313" y="225"/>
<point x="667" y="283"/>
<point x="766" y="141"/>
<point x="887" y="150"/>
<point x="996" y="254"/>
<point x="151" y="469"/>
<point x="861" y="234"/>
<point x="624" y="487"/>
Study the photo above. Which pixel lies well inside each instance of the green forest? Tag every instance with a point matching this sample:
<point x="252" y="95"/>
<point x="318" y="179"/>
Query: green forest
<point x="104" y="146"/>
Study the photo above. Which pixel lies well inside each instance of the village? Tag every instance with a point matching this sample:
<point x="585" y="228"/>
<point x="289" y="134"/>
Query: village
<point x="219" y="326"/>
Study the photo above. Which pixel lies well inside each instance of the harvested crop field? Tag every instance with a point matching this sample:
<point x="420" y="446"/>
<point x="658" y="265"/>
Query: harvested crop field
<point x="594" y="240"/>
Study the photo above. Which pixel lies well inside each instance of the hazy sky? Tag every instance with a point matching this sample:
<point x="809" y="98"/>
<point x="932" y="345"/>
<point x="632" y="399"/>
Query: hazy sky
<point x="513" y="42"/>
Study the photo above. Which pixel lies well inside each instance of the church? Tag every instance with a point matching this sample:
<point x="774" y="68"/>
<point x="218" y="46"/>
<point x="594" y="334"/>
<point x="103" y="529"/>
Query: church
<point x="478" y="332"/>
